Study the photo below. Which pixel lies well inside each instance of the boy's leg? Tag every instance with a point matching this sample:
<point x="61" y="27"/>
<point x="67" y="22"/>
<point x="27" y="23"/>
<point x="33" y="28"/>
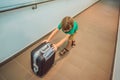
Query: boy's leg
<point x="71" y="41"/>
<point x="68" y="46"/>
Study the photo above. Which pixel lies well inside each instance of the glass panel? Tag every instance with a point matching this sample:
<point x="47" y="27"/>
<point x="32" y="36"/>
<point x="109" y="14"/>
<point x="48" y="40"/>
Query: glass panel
<point x="9" y="4"/>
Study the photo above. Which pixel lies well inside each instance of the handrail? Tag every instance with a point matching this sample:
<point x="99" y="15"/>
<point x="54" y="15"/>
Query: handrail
<point x="27" y="5"/>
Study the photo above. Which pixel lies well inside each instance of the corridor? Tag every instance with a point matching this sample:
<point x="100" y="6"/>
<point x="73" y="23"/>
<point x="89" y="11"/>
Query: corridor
<point x="91" y="58"/>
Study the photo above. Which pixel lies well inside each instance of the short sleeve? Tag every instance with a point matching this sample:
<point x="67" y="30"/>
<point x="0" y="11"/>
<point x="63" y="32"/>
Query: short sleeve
<point x="76" y="26"/>
<point x="59" y="26"/>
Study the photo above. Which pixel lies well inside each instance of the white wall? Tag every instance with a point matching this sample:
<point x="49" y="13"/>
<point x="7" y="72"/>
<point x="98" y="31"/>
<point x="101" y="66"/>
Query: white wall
<point x="116" y="71"/>
<point x="19" y="28"/>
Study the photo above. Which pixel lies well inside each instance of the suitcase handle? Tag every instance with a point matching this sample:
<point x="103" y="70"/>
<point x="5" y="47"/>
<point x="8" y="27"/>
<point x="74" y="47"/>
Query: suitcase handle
<point x="35" y="68"/>
<point x="45" y="48"/>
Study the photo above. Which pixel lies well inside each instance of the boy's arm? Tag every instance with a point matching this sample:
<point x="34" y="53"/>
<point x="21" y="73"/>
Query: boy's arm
<point x="52" y="34"/>
<point x="62" y="41"/>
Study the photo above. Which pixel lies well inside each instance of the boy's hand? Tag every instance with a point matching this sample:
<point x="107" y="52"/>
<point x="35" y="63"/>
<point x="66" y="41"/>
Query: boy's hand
<point x="55" y="47"/>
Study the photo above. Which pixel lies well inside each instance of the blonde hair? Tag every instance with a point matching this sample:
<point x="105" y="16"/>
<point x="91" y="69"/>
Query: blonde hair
<point x="67" y="23"/>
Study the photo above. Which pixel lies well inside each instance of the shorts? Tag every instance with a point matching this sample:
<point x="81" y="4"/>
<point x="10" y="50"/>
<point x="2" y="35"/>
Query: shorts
<point x="72" y="36"/>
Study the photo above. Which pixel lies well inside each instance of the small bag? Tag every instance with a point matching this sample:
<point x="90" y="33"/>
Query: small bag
<point x="42" y="58"/>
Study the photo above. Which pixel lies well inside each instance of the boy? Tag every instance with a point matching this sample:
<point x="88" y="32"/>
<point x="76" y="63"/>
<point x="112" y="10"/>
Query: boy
<point x="69" y="27"/>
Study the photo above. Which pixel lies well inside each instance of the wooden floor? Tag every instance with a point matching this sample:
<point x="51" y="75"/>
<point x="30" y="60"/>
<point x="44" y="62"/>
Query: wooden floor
<point x="92" y="57"/>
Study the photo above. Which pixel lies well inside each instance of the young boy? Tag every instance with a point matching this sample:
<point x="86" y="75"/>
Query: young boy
<point x="69" y="27"/>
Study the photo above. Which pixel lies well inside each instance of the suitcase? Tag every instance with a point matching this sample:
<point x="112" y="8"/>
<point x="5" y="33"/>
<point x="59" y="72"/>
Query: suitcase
<point x="42" y="58"/>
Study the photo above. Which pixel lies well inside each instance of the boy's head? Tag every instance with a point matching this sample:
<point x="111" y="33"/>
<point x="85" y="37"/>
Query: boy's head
<point x="67" y="24"/>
